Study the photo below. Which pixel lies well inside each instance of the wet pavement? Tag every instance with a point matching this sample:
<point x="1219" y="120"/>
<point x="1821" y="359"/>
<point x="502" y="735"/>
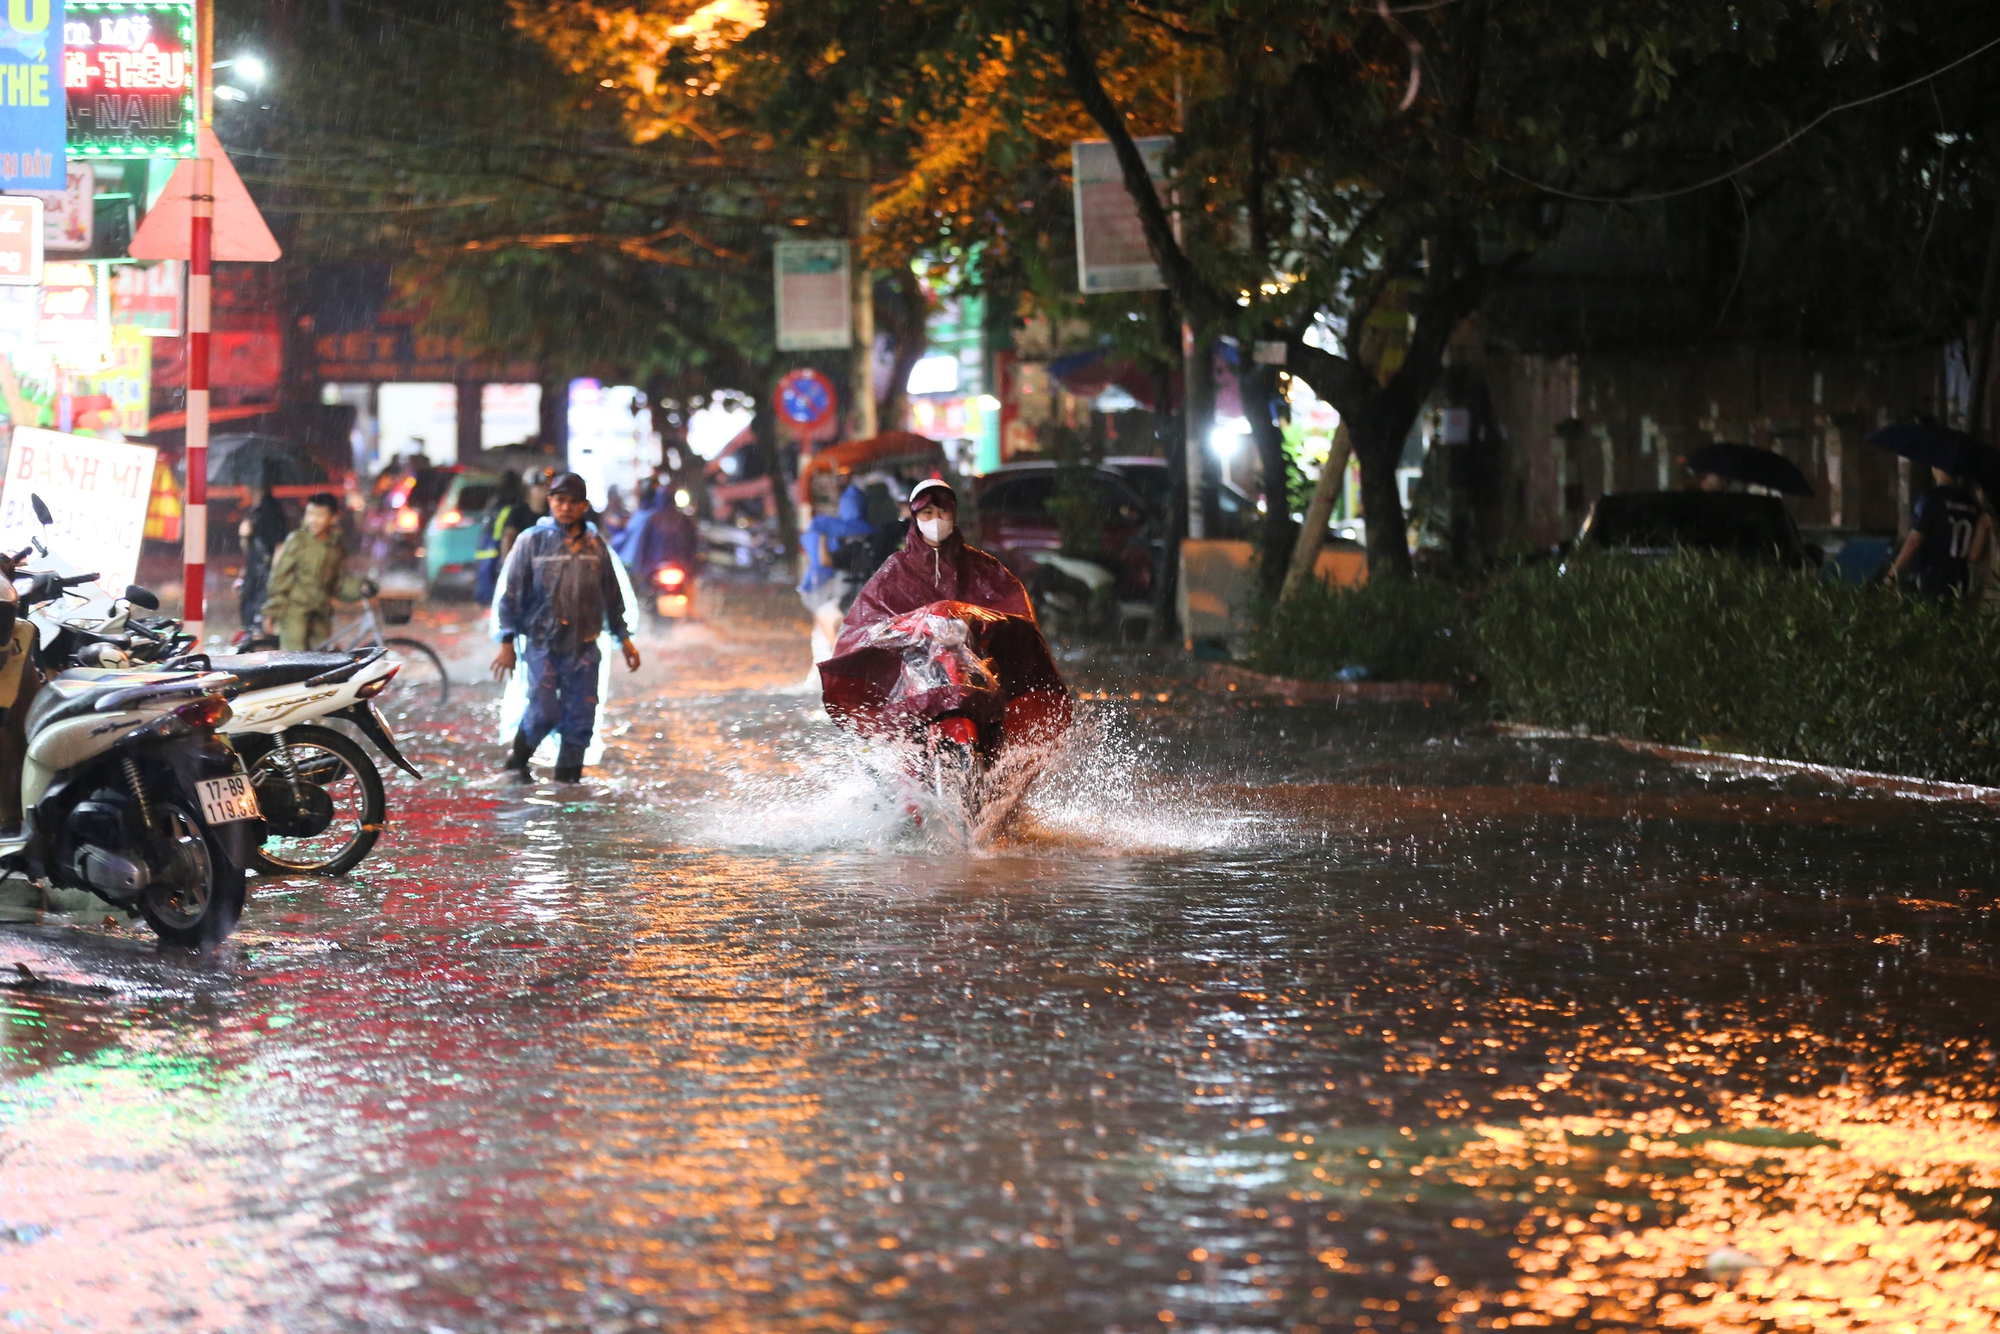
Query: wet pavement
<point x="1257" y="1017"/>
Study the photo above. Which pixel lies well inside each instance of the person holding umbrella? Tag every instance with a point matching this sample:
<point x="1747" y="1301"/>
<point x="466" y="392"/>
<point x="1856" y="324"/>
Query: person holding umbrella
<point x="1950" y="535"/>
<point x="1951" y="529"/>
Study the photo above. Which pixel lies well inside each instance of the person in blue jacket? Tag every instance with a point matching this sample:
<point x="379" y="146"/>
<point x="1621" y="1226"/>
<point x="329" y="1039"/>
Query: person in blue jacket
<point x="826" y="585"/>
<point x="559" y="592"/>
<point x="658" y="534"/>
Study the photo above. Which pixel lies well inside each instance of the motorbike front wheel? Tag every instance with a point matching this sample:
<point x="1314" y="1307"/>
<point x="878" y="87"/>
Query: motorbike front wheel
<point x="958" y="779"/>
<point x="195" y="897"/>
<point x="331" y="820"/>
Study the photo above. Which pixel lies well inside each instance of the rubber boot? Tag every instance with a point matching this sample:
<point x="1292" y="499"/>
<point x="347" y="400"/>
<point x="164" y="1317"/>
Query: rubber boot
<point x="518" y="761"/>
<point x="569" y="764"/>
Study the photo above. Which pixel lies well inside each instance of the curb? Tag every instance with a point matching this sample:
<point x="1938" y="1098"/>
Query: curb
<point x="1230" y="677"/>
<point x="1764" y="766"/>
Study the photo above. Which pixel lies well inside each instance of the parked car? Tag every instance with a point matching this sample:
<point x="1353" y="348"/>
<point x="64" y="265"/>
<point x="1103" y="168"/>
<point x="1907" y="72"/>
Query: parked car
<point x="1656" y="523"/>
<point x="451" y="532"/>
<point x="1150" y="477"/>
<point x="1018" y="522"/>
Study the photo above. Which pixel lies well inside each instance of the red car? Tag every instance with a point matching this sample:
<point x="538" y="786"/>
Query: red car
<point x="1018" y="509"/>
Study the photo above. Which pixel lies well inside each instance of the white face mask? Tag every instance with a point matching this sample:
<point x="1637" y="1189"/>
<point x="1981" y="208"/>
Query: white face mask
<point x="936" y="528"/>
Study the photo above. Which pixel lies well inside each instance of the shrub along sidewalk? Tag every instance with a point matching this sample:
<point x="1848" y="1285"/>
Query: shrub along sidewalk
<point x="1696" y="650"/>
<point x="1706" y="650"/>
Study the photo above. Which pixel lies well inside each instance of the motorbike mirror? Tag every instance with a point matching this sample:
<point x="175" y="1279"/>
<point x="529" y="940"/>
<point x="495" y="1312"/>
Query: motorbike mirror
<point x="142" y="597"/>
<point x="41" y="509"/>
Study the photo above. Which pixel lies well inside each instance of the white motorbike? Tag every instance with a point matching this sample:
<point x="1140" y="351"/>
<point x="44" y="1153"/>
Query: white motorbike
<point x="320" y="794"/>
<point x="128" y="792"/>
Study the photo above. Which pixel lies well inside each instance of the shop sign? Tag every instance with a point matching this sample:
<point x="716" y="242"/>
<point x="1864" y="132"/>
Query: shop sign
<point x="127" y="382"/>
<point x="74" y="313"/>
<point x="129" y="77"/>
<point x="147" y="297"/>
<point x="31" y="110"/>
<point x="69" y="216"/>
<point x="20" y="241"/>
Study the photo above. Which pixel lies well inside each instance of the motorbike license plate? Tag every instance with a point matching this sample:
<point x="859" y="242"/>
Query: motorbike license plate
<point x="226" y="799"/>
<point x="671" y="604"/>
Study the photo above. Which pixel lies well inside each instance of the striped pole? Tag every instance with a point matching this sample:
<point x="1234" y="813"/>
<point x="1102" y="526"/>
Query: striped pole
<point x="194" y="530"/>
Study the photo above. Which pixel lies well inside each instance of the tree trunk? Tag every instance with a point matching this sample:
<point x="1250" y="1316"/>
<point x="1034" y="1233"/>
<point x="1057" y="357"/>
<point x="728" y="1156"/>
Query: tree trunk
<point x="1379" y="449"/>
<point x="1259" y="399"/>
<point x="901" y="310"/>
<point x="1312" y="533"/>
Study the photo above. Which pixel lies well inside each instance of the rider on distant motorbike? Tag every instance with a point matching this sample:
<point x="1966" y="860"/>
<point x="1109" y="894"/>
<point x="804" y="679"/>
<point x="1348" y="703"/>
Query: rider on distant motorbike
<point x="935" y="565"/>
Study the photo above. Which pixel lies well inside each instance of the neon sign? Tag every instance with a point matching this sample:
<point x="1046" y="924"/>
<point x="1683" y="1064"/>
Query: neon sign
<point x="129" y="72"/>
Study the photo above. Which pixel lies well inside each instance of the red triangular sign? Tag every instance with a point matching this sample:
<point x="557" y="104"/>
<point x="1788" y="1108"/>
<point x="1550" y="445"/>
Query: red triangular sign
<point x="240" y="233"/>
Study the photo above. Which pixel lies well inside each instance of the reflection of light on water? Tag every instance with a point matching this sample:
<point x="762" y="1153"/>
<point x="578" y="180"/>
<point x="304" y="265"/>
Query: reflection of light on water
<point x="1802" y="1213"/>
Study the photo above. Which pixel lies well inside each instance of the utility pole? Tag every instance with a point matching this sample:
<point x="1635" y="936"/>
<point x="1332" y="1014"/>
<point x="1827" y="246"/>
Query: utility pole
<point x="1197" y="419"/>
<point x="194" y="528"/>
<point x="862" y="375"/>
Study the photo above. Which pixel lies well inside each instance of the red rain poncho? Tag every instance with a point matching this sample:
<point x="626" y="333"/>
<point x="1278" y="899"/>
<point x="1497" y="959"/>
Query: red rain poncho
<point x="1004" y="664"/>
<point x="921" y="574"/>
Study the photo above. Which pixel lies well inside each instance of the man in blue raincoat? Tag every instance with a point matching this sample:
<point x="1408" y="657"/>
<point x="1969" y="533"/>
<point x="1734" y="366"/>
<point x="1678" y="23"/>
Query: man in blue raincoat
<point x="560" y="592"/>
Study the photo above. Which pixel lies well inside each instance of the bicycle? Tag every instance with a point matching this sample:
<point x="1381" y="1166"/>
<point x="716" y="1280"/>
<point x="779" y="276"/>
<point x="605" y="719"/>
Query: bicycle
<point x="420" y="682"/>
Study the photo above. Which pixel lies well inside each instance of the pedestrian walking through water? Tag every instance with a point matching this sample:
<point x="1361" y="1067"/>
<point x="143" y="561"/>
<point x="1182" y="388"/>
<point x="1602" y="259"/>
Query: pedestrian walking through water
<point x="559" y="591"/>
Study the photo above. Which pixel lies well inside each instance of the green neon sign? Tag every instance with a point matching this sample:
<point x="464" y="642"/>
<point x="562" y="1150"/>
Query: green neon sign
<point x="129" y="78"/>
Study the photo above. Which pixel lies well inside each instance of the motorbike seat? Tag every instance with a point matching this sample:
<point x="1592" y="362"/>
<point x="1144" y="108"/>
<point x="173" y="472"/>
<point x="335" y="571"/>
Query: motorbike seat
<point x="261" y="671"/>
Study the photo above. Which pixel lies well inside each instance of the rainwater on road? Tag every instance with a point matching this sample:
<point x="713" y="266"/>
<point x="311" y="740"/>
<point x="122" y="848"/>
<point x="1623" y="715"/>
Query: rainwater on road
<point x="1258" y="1017"/>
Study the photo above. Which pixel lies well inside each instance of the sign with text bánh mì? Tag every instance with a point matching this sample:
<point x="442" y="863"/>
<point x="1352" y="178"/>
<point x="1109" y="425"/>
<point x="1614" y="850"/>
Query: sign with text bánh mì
<point x="129" y="74"/>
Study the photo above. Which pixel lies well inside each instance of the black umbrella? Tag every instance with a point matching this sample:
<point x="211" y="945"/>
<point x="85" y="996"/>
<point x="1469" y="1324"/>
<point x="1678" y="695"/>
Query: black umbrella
<point x="262" y="460"/>
<point x="1751" y="466"/>
<point x="1957" y="453"/>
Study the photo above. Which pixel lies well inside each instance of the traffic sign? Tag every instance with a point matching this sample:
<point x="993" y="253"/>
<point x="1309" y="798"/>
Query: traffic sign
<point x="20" y="241"/>
<point x="805" y="397"/>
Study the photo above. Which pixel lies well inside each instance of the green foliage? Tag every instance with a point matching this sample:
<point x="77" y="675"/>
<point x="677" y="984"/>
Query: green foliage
<point x="1708" y="649"/>
<point x="1394" y="629"/>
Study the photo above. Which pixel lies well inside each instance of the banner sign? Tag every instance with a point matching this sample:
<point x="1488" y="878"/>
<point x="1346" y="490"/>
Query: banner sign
<point x="147" y="297"/>
<point x="96" y="489"/>
<point x="815" y="310"/>
<point x="20" y="240"/>
<point x="1111" y="250"/>
<point x="31" y="107"/>
<point x="129" y="74"/>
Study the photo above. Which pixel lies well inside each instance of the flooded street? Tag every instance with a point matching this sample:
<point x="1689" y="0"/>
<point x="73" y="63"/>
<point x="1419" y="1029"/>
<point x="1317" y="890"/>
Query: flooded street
<point x="1259" y="1017"/>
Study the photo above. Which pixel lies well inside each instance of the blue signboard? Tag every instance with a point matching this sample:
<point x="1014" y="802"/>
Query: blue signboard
<point x="33" y="119"/>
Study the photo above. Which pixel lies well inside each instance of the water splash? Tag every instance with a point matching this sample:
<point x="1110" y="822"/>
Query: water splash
<point x="1098" y="791"/>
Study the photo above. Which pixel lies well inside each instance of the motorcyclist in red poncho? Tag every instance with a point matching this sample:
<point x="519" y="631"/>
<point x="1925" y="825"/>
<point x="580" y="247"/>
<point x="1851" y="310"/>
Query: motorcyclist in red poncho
<point x="942" y="645"/>
<point x="935" y="565"/>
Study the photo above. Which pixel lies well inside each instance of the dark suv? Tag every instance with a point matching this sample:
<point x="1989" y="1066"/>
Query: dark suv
<point x="1654" y="523"/>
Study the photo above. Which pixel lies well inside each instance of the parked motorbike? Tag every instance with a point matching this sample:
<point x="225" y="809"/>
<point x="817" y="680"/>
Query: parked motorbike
<point x="967" y="686"/>
<point x="321" y="795"/>
<point x="128" y="792"/>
